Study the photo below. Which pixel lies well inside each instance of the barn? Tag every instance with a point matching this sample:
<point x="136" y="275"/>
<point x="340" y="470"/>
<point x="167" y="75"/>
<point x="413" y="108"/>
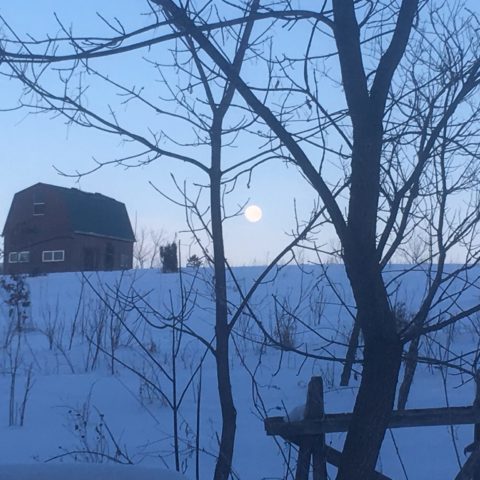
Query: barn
<point x="56" y="229"/>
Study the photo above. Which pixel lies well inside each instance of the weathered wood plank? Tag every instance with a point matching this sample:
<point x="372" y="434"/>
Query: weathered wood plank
<point x="312" y="448"/>
<point x="319" y="460"/>
<point x="339" y="422"/>
<point x="303" y="461"/>
<point x="315" y="410"/>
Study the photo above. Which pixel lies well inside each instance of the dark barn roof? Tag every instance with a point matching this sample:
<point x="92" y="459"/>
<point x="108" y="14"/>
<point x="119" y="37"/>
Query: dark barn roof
<point x="90" y="213"/>
<point x="96" y="214"/>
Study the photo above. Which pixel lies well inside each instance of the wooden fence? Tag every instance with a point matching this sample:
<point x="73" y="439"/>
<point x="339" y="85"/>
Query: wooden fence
<point x="309" y="433"/>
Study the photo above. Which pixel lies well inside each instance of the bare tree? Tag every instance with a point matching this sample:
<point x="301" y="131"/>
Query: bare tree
<point x="146" y="250"/>
<point x="393" y="190"/>
<point x="375" y="107"/>
<point x="214" y="95"/>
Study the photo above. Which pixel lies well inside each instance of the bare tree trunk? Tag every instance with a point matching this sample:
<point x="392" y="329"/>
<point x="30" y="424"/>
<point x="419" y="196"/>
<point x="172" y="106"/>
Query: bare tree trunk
<point x="381" y="366"/>
<point x="229" y="413"/>
<point x="383" y="348"/>
<point x="372" y="410"/>
<point x="351" y="353"/>
<point x="222" y="330"/>
<point x="410" y="367"/>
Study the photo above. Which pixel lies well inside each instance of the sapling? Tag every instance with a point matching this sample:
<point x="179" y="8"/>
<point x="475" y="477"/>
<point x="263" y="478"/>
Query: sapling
<point x="18" y="303"/>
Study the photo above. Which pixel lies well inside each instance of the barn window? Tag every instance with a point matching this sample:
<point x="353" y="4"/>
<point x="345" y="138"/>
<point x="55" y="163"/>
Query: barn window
<point x="53" y="255"/>
<point x="23" y="257"/>
<point x="124" y="263"/>
<point x="39" y="208"/>
<point x="13" y="257"/>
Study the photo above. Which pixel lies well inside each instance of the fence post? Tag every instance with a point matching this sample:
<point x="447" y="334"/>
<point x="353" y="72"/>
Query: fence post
<point x="303" y="462"/>
<point x="315" y="410"/>
<point x="313" y="446"/>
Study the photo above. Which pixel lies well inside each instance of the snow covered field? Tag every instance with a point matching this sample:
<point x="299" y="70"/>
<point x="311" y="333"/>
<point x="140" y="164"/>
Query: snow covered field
<point x="82" y="471"/>
<point x="91" y="376"/>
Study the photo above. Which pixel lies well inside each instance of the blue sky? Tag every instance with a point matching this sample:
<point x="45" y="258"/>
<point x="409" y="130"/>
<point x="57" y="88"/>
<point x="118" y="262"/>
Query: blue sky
<point x="35" y="146"/>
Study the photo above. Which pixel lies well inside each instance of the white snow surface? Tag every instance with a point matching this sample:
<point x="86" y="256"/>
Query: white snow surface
<point x="99" y="396"/>
<point x="45" y="471"/>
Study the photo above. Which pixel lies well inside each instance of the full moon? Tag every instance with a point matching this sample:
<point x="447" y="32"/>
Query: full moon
<point x="253" y="213"/>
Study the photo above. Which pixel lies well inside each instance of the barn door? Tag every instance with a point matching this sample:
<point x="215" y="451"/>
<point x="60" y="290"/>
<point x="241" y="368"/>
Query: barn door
<point x="89" y="260"/>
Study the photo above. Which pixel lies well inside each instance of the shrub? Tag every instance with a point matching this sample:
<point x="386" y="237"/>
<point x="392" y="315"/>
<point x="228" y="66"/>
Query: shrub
<point x="168" y="256"/>
<point x="194" y="261"/>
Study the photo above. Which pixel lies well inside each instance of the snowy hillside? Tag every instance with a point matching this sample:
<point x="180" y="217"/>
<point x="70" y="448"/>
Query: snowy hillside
<point x="95" y="369"/>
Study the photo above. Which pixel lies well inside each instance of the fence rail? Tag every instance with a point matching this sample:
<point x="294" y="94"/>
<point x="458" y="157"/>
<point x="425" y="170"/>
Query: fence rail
<point x="309" y="433"/>
<point x="339" y="422"/>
